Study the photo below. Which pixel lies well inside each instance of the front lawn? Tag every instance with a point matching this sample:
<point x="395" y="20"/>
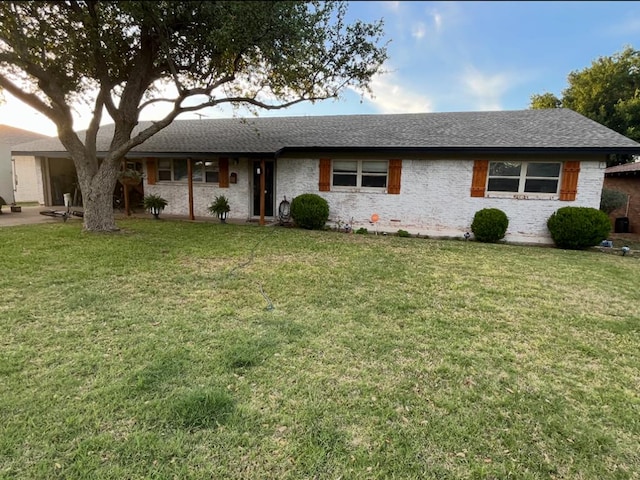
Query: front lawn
<point x="200" y="350"/>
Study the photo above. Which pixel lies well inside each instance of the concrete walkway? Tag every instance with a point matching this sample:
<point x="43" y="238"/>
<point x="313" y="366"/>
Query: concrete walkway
<point x="31" y="215"/>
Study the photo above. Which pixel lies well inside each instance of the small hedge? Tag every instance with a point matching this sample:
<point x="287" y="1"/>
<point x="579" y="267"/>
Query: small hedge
<point x="577" y="228"/>
<point x="489" y="225"/>
<point x="310" y="211"/>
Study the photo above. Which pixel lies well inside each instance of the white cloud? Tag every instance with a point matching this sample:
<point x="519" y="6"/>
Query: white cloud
<point x="437" y="20"/>
<point x="432" y="25"/>
<point x="419" y="30"/>
<point x="630" y="26"/>
<point x="389" y="96"/>
<point x="393" y="5"/>
<point x="486" y="90"/>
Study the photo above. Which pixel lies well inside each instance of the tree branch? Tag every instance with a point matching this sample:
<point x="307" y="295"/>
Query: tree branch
<point x="29" y="98"/>
<point x="92" y="130"/>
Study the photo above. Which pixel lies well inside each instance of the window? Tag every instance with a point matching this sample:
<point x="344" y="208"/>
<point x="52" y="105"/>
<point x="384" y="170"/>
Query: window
<point x="360" y="173"/>
<point x="175" y="170"/>
<point x="524" y="177"/>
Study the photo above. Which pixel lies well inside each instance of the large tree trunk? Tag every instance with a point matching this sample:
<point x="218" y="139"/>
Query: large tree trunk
<point x="98" y="211"/>
<point x="97" y="197"/>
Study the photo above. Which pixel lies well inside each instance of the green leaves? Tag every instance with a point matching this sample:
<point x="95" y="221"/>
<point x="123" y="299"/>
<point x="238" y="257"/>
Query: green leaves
<point x="608" y="92"/>
<point x="121" y="57"/>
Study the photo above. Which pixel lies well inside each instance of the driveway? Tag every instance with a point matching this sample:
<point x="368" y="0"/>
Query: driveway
<point x="29" y="216"/>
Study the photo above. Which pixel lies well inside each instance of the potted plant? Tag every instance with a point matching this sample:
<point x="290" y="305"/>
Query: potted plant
<point x="220" y="208"/>
<point x="155" y="204"/>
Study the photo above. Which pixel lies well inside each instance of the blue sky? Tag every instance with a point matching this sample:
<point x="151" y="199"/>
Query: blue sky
<point x="460" y="56"/>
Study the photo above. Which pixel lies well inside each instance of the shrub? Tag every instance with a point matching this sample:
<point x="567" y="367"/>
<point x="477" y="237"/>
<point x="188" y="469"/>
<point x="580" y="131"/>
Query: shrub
<point x="611" y="200"/>
<point x="362" y="231"/>
<point x="310" y="211"/>
<point x="577" y="228"/>
<point x="489" y="225"/>
<point x="403" y="233"/>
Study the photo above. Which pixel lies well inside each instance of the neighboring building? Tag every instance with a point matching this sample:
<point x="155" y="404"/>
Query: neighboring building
<point x="625" y="178"/>
<point x="424" y="173"/>
<point x="10" y="173"/>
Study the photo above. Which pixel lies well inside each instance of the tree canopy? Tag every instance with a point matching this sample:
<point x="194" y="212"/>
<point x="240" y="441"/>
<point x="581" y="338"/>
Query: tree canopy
<point x="121" y="57"/>
<point x="608" y="92"/>
<point x="545" y="100"/>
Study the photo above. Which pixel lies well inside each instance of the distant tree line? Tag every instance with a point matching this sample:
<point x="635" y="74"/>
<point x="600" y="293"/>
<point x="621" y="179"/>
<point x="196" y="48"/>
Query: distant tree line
<point x="608" y="92"/>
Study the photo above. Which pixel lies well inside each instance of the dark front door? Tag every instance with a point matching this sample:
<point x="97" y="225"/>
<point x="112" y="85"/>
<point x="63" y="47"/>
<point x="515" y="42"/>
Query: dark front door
<point x="268" y="187"/>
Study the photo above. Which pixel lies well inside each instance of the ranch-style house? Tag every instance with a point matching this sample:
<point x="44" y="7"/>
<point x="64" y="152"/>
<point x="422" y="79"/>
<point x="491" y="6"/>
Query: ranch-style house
<point x="426" y="173"/>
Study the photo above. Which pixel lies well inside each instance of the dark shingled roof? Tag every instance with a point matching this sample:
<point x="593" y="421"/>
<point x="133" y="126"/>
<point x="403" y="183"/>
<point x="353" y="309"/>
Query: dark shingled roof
<point x="506" y="131"/>
<point x="13" y="136"/>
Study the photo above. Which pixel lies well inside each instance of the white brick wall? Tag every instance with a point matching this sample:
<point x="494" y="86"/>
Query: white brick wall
<point x="435" y="199"/>
<point x="177" y="195"/>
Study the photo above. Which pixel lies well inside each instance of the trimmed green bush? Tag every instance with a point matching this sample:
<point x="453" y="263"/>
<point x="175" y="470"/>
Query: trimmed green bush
<point x="577" y="228"/>
<point x="310" y="211"/>
<point x="489" y="225"/>
<point x="611" y="200"/>
<point x="403" y="233"/>
<point x="362" y="231"/>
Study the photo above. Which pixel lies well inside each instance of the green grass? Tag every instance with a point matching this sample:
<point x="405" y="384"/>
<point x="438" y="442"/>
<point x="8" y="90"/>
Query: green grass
<point x="200" y="350"/>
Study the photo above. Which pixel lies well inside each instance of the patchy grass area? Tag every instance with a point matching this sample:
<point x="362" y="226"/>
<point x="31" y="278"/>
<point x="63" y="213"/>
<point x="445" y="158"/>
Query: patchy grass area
<point x="199" y="351"/>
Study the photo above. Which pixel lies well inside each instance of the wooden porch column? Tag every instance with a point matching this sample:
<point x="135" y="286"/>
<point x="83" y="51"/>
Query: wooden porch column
<point x="262" y="187"/>
<point x="125" y="188"/>
<point x="125" y="191"/>
<point x="190" y="183"/>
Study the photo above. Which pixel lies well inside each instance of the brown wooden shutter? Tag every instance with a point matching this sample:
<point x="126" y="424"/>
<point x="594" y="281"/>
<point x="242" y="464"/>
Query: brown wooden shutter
<point x="324" y="183"/>
<point x="152" y="171"/>
<point x="479" y="180"/>
<point x="395" y="174"/>
<point x="569" y="185"/>
<point x="223" y="172"/>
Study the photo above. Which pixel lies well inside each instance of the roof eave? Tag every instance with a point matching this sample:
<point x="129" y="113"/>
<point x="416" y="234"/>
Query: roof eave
<point x="361" y="150"/>
<point x="134" y="154"/>
<point x="473" y="149"/>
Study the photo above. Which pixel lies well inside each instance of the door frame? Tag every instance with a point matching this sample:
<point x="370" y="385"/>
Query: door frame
<point x="268" y="173"/>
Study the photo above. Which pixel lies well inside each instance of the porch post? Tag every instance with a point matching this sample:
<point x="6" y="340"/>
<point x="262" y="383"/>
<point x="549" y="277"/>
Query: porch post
<point x="125" y="190"/>
<point x="262" y="187"/>
<point x="190" y="183"/>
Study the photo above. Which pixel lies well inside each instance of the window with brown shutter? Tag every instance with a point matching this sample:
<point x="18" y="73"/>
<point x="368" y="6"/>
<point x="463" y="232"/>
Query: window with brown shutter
<point x="324" y="183"/>
<point x="151" y="171"/>
<point x="395" y="174"/>
<point x="569" y="185"/>
<point x="223" y="173"/>
<point x="479" y="180"/>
